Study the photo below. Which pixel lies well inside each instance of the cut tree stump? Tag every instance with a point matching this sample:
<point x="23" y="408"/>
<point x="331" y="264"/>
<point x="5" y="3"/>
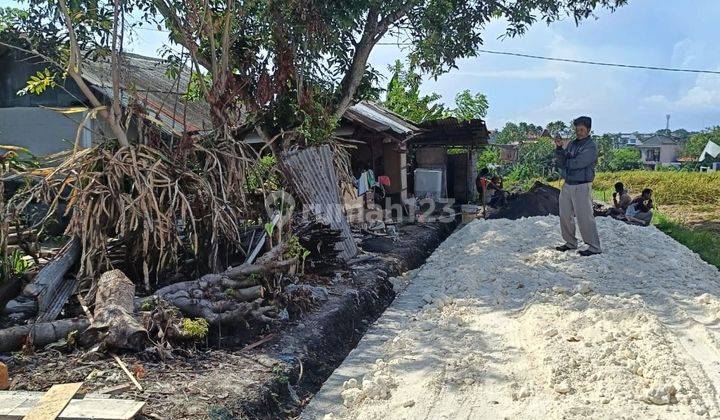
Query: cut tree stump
<point x="114" y="327"/>
<point x="40" y="334"/>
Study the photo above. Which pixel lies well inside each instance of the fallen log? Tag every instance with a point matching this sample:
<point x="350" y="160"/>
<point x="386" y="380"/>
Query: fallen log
<point x="49" y="278"/>
<point x="114" y="327"/>
<point x="40" y="334"/>
<point x="49" y="287"/>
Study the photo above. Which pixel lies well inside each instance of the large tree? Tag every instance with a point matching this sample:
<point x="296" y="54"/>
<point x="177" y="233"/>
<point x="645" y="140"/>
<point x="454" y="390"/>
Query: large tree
<point x="404" y="98"/>
<point x="283" y="64"/>
<point x="694" y="146"/>
<point x="469" y="106"/>
<point x="511" y="133"/>
<point x="314" y="53"/>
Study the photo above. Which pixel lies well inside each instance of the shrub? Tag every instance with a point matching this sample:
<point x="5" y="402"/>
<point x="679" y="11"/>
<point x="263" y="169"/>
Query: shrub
<point x="488" y="156"/>
<point x="194" y="329"/>
<point x="624" y="159"/>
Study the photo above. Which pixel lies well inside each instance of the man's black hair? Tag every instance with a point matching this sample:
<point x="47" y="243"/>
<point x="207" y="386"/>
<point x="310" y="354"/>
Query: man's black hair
<point x="586" y="121"/>
<point x="619" y="187"/>
<point x="646" y="191"/>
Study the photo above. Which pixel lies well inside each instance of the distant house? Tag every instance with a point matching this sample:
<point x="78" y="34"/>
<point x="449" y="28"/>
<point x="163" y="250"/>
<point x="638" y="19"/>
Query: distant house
<point x="659" y="150"/>
<point x="508" y="152"/>
<point x="628" y="139"/>
<point x="54" y="120"/>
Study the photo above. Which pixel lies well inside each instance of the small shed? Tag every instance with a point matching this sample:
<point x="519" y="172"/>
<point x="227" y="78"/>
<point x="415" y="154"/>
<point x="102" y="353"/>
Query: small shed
<point x="376" y="138"/>
<point x="449" y="146"/>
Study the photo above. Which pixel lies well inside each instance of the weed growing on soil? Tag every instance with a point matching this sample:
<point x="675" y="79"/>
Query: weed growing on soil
<point x="195" y="329"/>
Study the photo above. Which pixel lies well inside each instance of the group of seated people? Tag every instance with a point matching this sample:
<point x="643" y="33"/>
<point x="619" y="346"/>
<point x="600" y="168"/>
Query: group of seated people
<point x="637" y="210"/>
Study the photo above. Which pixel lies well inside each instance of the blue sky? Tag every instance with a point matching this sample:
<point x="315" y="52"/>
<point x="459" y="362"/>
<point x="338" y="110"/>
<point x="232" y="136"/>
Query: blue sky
<point x="667" y="33"/>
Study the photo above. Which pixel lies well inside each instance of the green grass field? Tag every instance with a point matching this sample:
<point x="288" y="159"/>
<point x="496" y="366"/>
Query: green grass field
<point x="669" y="187"/>
<point x="687" y="204"/>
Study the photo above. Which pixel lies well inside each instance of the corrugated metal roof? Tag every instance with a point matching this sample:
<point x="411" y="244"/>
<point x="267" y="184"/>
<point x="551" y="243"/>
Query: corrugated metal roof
<point x="379" y="119"/>
<point x="143" y="80"/>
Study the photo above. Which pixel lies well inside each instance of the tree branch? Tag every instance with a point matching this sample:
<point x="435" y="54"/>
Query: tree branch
<point x="175" y="24"/>
<point x="74" y="70"/>
<point x="352" y="79"/>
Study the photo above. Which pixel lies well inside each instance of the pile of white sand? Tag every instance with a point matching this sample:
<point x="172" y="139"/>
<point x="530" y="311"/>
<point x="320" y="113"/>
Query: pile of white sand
<point x="498" y="324"/>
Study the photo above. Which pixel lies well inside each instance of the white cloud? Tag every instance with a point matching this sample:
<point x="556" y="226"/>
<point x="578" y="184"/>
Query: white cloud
<point x="703" y="95"/>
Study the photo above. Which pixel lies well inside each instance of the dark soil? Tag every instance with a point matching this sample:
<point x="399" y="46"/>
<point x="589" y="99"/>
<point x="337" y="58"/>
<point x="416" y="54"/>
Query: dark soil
<point x="540" y="200"/>
<point x="273" y="380"/>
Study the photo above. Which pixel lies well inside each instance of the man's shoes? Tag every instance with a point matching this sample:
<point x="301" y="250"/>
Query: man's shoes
<point x="587" y="253"/>
<point x="564" y="248"/>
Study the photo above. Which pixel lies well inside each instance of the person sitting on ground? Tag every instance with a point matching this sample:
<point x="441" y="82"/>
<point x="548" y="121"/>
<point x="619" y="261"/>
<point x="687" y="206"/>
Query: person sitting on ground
<point x="495" y="194"/>
<point x="640" y="209"/>
<point x="621" y="200"/>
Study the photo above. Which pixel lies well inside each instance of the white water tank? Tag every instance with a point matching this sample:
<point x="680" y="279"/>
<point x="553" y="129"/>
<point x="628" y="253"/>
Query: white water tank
<point x="428" y="183"/>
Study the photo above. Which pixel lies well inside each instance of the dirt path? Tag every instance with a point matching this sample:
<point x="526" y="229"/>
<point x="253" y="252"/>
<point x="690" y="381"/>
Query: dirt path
<point x="498" y="325"/>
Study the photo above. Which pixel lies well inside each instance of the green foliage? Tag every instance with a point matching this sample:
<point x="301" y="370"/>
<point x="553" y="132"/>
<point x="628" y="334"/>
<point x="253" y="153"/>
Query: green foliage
<point x="39" y="83"/>
<point x="537" y="159"/>
<point x="511" y="133"/>
<point x="295" y="250"/>
<point x="488" y="156"/>
<point x="280" y="374"/>
<point x="269" y="228"/>
<point x="298" y="53"/>
<point x="696" y="143"/>
<point x="194" y="90"/>
<point x="263" y="173"/>
<point x="705" y="243"/>
<point x="623" y="159"/>
<point x="148" y="305"/>
<point x="194" y="329"/>
<point x="317" y="125"/>
<point x="558" y="128"/>
<point x="14" y="266"/>
<point x="404" y="98"/>
<point x="530" y="128"/>
<point x="469" y="106"/>
<point x="676" y="187"/>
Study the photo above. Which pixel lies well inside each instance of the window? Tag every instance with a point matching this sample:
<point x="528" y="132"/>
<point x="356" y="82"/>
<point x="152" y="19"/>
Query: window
<point x="652" y="155"/>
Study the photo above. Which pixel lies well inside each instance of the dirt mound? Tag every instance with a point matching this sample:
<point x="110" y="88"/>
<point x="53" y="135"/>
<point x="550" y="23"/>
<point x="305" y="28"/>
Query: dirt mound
<point x="540" y="200"/>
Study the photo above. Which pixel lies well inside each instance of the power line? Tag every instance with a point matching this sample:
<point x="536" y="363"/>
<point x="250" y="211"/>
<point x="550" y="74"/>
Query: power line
<point x="540" y="57"/>
<point x="594" y="63"/>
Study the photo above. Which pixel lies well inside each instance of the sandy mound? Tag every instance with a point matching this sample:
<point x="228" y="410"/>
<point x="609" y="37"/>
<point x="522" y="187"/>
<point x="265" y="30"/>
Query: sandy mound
<point x="498" y="325"/>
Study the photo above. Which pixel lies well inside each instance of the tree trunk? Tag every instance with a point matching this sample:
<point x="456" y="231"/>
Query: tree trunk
<point x="114" y="327"/>
<point x="40" y="334"/>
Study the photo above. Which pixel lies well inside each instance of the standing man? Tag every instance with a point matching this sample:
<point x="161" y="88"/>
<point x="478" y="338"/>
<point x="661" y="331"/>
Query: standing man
<point x="577" y="163"/>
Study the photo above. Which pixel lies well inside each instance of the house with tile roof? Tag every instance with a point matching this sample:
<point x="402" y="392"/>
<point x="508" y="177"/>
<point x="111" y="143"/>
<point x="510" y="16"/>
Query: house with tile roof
<point x="660" y="150"/>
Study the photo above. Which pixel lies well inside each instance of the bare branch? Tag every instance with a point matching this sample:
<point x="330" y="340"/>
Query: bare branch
<point x="74" y="69"/>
